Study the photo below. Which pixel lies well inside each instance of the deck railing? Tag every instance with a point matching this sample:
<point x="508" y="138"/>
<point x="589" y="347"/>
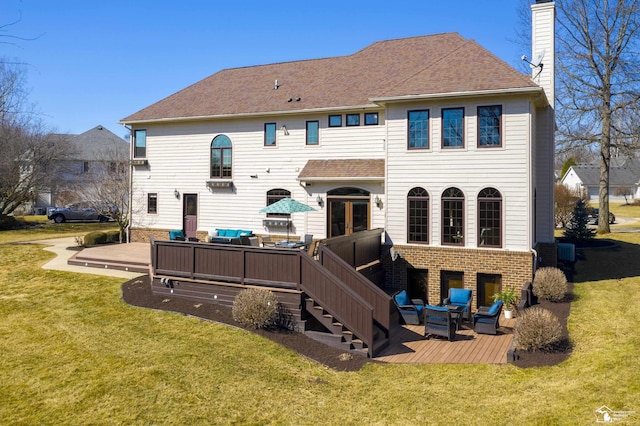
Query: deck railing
<point x="376" y="297"/>
<point x="334" y="284"/>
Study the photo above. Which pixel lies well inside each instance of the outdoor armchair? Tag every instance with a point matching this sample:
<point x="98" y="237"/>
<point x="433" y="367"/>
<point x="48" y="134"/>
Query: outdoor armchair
<point x="460" y="297"/>
<point x="410" y="309"/>
<point x="487" y="320"/>
<point x="438" y="322"/>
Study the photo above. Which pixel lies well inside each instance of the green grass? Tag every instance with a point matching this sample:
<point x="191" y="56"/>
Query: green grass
<point x="71" y="352"/>
<point x="47" y="230"/>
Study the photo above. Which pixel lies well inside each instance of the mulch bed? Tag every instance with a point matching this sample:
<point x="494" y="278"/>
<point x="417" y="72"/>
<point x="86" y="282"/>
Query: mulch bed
<point x="563" y="350"/>
<point x="137" y="292"/>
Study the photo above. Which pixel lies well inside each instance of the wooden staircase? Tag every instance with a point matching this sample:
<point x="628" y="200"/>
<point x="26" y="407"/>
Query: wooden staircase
<point x="338" y="335"/>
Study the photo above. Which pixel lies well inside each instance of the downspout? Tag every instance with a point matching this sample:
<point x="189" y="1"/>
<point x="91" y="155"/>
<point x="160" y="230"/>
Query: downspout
<point x="130" y="212"/>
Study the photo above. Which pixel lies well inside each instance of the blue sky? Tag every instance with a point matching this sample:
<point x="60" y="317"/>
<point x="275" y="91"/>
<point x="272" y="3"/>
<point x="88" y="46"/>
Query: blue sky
<point x="95" y="62"/>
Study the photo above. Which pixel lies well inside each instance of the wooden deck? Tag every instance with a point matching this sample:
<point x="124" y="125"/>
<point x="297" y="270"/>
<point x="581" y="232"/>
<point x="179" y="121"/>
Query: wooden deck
<point x="408" y="345"/>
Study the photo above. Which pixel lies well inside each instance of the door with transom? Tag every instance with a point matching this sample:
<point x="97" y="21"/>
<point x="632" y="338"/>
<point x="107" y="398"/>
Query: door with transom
<point x="348" y="211"/>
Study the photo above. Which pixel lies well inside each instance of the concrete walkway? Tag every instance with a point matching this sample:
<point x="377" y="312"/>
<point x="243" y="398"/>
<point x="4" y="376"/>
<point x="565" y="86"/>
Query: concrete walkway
<point x="59" y="263"/>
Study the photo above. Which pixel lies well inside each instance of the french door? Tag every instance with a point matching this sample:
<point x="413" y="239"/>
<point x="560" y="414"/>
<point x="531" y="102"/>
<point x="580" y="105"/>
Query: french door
<point x="348" y="211"/>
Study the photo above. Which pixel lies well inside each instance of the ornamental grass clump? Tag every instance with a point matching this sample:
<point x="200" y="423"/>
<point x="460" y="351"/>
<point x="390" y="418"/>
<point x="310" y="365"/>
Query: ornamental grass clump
<point x="537" y="329"/>
<point x="550" y="284"/>
<point x="256" y="308"/>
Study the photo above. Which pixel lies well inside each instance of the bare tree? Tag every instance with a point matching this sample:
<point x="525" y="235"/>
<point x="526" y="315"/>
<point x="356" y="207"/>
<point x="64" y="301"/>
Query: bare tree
<point x="624" y="191"/>
<point x="598" y="79"/>
<point x="29" y="153"/>
<point x="106" y="187"/>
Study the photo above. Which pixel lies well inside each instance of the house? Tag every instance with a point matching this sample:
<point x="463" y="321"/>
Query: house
<point x="433" y="139"/>
<point x="622" y="173"/>
<point x="94" y="152"/>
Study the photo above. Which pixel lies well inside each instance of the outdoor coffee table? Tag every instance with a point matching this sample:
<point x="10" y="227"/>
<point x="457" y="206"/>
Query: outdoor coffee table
<point x="289" y="244"/>
<point x="456" y="314"/>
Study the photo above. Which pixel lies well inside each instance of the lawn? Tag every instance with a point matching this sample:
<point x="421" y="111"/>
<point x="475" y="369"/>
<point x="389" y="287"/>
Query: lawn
<point x="45" y="229"/>
<point x="71" y="352"/>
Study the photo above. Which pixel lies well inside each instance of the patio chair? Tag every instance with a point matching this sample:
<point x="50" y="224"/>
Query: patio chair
<point x="266" y="241"/>
<point x="410" y="309"/>
<point x="308" y="239"/>
<point x="176" y="235"/>
<point x="460" y="297"/>
<point x="438" y="322"/>
<point x="487" y="320"/>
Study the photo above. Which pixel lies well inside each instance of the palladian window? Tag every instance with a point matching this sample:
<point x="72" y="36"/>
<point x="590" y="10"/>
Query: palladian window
<point x="418" y="216"/>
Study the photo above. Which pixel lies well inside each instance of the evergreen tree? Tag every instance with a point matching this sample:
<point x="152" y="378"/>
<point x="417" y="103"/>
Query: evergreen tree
<point x="577" y="229"/>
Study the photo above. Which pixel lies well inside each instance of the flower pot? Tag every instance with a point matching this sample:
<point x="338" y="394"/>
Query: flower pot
<point x="508" y="314"/>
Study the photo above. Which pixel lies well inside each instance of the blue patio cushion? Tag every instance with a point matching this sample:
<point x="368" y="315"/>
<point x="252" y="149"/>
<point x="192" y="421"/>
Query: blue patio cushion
<point x="222" y="232"/>
<point x="402" y="298"/>
<point x="419" y="308"/>
<point x="438" y="319"/>
<point x="494" y="308"/>
<point x="173" y="234"/>
<point x="459" y="296"/>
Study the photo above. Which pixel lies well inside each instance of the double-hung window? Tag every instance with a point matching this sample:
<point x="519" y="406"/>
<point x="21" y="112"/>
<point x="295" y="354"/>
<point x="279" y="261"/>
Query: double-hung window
<point x="313" y="130"/>
<point x="418" y="129"/>
<point x="139" y="143"/>
<point x="453" y="128"/>
<point x="490" y="126"/>
<point x="270" y="134"/>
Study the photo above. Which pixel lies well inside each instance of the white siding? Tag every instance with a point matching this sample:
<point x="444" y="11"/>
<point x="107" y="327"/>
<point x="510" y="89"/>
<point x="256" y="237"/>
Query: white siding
<point x="471" y="169"/>
<point x="179" y="159"/>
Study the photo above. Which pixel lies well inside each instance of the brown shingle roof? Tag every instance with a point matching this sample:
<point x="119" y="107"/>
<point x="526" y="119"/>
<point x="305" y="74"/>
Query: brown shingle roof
<point x="436" y="64"/>
<point x="344" y="169"/>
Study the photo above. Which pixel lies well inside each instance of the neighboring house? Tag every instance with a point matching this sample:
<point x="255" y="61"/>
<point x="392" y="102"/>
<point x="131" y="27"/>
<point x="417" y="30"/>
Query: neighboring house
<point x="622" y="173"/>
<point x="95" y="152"/>
<point x="432" y="138"/>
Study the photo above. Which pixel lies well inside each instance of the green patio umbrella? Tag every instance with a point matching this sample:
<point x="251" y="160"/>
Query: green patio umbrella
<point x="287" y="206"/>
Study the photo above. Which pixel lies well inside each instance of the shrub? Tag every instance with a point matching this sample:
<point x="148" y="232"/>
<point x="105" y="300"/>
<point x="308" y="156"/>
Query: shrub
<point x="550" y="284"/>
<point x="94" y="238"/>
<point x="256" y="308"/>
<point x="113" y="236"/>
<point x="8" y="222"/>
<point x="536" y="328"/>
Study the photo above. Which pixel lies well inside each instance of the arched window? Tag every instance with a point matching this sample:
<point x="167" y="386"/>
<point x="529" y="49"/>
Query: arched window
<point x="275" y="195"/>
<point x="453" y="217"/>
<point x="418" y="215"/>
<point x="221" y="157"/>
<point x="489" y="218"/>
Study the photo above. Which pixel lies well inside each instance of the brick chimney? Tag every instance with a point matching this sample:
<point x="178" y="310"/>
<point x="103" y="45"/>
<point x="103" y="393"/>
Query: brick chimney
<point x="543" y="18"/>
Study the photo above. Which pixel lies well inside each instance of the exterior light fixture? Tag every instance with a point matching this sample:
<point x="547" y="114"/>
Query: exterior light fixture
<point x="319" y="200"/>
<point x="284" y="129"/>
<point x="176" y="193"/>
<point x="378" y="202"/>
